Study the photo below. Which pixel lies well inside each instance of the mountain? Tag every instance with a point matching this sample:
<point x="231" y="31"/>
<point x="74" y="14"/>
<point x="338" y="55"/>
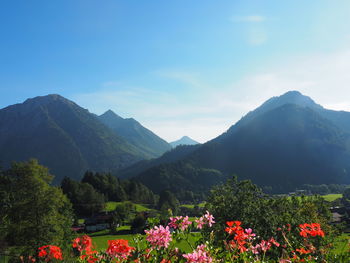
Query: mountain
<point x="286" y="142"/>
<point x="134" y="133"/>
<point x="185" y="140"/>
<point x="174" y="155"/>
<point x="62" y="136"/>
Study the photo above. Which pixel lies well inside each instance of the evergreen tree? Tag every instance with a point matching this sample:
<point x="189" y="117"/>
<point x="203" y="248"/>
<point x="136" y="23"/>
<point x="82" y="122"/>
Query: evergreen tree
<point x="37" y="213"/>
<point x="167" y="200"/>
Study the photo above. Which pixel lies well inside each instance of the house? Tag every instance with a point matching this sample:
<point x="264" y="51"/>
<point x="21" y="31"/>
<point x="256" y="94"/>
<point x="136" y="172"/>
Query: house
<point x="98" y="222"/>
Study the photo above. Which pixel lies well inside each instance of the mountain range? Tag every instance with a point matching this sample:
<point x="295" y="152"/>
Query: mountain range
<point x="288" y="141"/>
<point x="69" y="139"/>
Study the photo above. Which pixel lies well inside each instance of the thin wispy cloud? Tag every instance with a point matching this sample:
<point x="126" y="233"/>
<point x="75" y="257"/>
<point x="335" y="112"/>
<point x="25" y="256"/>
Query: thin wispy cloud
<point x="214" y="109"/>
<point x="254" y="28"/>
<point x="248" y="18"/>
<point x="257" y="36"/>
<point x="189" y="78"/>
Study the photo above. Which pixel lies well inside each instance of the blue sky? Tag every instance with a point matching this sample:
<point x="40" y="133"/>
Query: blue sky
<point x="184" y="67"/>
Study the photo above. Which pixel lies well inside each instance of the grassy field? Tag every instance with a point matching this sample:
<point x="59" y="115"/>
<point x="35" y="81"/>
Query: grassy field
<point x="110" y="206"/>
<point x="192" y="206"/>
<point x="341" y="244"/>
<point x="332" y="197"/>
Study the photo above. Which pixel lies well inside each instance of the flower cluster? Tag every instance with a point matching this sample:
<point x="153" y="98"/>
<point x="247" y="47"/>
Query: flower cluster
<point x="206" y="219"/>
<point x="179" y="222"/>
<point x="159" y="236"/>
<point x="119" y="248"/>
<point x="312" y="230"/>
<point x="49" y="252"/>
<point x="199" y="255"/>
<point x="82" y="243"/>
<point x="241" y="245"/>
<point x="243" y="239"/>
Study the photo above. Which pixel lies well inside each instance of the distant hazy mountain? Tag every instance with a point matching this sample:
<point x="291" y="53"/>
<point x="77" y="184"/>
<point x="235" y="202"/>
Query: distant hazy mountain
<point x="286" y="142"/>
<point x="133" y="132"/>
<point x="185" y="140"/>
<point x="63" y="136"/>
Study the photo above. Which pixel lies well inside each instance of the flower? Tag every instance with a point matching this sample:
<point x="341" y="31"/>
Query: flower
<point x="313" y="229"/>
<point x="82" y="243"/>
<point x="179" y="222"/>
<point x="303" y="251"/>
<point x="50" y="252"/>
<point x="199" y="255"/>
<point x="207" y="218"/>
<point x="119" y="248"/>
<point x="159" y="236"/>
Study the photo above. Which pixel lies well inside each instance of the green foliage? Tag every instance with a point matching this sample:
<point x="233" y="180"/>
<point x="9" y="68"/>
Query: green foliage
<point x="346" y="197"/>
<point x="36" y="213"/>
<point x="119" y="190"/>
<point x="182" y="178"/>
<point x="85" y="199"/>
<point x="244" y="201"/>
<point x="167" y="200"/>
<point x="125" y="212"/>
<point x="138" y="224"/>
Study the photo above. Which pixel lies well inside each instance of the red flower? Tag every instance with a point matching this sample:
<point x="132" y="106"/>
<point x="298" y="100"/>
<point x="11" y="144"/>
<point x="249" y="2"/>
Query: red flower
<point x="82" y="243"/>
<point x="119" y="248"/>
<point x="313" y="229"/>
<point x="303" y="251"/>
<point x="50" y="252"/>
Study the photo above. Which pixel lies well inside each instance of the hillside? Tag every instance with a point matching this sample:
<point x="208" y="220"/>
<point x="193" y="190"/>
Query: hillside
<point x="288" y="141"/>
<point x="134" y="133"/>
<point x="62" y="136"/>
<point x="176" y="154"/>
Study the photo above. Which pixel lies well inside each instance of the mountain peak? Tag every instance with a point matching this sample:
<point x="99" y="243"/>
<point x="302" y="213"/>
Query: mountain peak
<point x="291" y="97"/>
<point x="110" y="114"/>
<point x="185" y="140"/>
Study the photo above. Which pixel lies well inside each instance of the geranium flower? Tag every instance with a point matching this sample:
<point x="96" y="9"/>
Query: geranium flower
<point x="159" y="236"/>
<point x="179" y="222"/>
<point x="50" y="252"/>
<point x="119" y="248"/>
<point x="200" y="255"/>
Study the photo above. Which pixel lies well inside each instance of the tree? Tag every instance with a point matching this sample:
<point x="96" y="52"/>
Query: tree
<point x="346" y="197"/>
<point x="167" y="200"/>
<point x="85" y="199"/>
<point x="37" y="213"/>
<point x="244" y="201"/>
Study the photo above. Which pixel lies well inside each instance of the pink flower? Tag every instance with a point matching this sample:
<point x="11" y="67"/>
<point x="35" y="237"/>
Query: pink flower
<point x="200" y="255"/>
<point x="249" y="233"/>
<point x="255" y="249"/>
<point x="205" y="219"/>
<point x="179" y="222"/>
<point x="158" y="236"/>
<point x="210" y="218"/>
<point x="265" y="245"/>
<point x="200" y="223"/>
